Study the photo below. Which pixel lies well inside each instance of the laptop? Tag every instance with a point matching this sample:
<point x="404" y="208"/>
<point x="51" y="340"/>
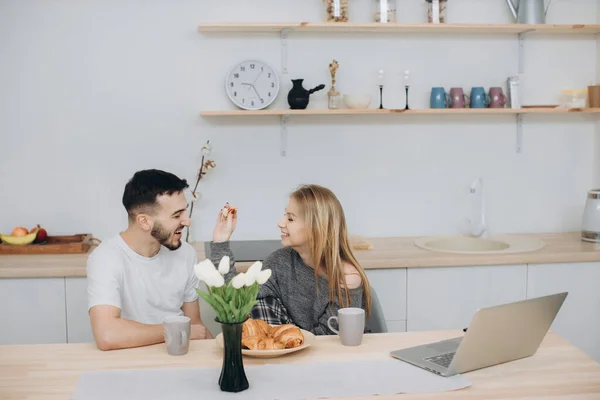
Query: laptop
<point x="496" y="335"/>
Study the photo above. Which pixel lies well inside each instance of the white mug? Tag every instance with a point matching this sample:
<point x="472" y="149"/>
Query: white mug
<point x="351" y="322"/>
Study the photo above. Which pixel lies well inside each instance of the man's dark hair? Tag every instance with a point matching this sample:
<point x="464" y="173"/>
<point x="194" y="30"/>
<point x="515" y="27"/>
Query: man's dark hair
<point x="145" y="186"/>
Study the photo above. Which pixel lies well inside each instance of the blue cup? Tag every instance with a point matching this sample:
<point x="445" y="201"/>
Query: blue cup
<point x="479" y="98"/>
<point x="439" y="98"/>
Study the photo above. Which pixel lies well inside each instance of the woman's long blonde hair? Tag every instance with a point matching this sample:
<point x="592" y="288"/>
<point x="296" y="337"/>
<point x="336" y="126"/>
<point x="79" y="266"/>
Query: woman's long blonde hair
<point x="328" y="241"/>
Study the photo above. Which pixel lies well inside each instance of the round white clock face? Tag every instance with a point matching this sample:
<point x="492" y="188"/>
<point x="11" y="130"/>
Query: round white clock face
<point x="252" y="85"/>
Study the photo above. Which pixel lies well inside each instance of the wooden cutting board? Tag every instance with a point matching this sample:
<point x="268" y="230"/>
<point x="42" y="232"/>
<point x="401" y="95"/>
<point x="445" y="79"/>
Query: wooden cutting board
<point x="79" y="243"/>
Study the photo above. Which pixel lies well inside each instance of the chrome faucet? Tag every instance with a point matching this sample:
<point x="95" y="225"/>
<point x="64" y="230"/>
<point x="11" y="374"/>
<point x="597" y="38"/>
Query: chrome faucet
<point x="480" y="228"/>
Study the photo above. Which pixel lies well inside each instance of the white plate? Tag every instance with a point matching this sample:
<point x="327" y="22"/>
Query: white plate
<point x="309" y="339"/>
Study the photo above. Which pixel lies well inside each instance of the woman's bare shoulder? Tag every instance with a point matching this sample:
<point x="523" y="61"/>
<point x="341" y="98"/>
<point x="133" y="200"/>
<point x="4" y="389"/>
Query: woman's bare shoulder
<point x="351" y="276"/>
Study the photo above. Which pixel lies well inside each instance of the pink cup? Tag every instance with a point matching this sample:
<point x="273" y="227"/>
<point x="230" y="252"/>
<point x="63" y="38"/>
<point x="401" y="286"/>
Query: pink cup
<point x="498" y="99"/>
<point x="458" y="99"/>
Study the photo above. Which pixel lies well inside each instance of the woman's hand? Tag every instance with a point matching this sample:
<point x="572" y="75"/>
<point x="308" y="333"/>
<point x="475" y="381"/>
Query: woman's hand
<point x="224" y="227"/>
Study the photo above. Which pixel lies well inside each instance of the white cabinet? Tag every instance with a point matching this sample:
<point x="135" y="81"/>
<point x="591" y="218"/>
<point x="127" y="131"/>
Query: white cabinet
<point x="578" y="320"/>
<point x="79" y="328"/>
<point x="32" y="311"/>
<point x="390" y="287"/>
<point x="447" y="298"/>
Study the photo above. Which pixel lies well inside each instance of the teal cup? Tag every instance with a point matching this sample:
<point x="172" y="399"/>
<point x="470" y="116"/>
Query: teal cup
<point x="439" y="98"/>
<point x="479" y="98"/>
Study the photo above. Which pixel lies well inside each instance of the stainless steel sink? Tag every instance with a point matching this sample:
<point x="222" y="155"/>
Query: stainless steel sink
<point x="496" y="244"/>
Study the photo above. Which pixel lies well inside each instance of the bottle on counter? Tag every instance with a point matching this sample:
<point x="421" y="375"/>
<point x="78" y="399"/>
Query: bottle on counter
<point x="337" y="10"/>
<point x="384" y="11"/>
<point x="436" y="11"/>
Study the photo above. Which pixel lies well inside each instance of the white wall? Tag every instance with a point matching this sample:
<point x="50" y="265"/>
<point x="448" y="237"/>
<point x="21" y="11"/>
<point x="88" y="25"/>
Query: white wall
<point x="92" y="91"/>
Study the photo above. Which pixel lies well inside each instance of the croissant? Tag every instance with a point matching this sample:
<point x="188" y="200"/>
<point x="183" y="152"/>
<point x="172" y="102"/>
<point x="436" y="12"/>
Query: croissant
<point x="258" y="335"/>
<point x="289" y="335"/>
<point x="253" y="343"/>
<point x="256" y="328"/>
<point x="272" y="344"/>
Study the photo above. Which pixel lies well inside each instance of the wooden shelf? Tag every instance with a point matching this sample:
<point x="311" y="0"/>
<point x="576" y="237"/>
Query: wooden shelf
<point x="446" y="111"/>
<point x="397" y="28"/>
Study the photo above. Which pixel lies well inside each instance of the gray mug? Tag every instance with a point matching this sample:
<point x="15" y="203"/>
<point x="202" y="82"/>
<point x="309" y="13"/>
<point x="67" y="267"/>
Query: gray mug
<point x="177" y="334"/>
<point x="351" y="323"/>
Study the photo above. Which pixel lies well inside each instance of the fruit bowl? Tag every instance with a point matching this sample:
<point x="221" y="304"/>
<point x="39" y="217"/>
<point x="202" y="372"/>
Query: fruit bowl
<point x="357" y="101"/>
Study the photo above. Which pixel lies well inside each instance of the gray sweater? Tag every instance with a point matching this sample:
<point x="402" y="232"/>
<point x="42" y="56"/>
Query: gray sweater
<point x="293" y="282"/>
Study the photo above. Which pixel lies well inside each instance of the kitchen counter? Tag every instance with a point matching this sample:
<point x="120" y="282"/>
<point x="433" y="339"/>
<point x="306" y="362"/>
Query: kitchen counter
<point x="558" y="370"/>
<point x="392" y="252"/>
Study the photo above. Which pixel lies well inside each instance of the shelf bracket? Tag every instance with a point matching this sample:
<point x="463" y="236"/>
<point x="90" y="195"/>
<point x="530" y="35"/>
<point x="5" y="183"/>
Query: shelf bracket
<point x="283" y="135"/>
<point x="284" y="51"/>
<point x="519" y="145"/>
<point x="521" y="52"/>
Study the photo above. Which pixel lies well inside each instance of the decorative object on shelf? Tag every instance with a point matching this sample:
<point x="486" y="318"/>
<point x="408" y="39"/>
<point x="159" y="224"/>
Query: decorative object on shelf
<point x="406" y="86"/>
<point x="590" y="226"/>
<point x="380" y="81"/>
<point x="479" y="98"/>
<point x="232" y="303"/>
<point x="337" y="10"/>
<point x="574" y="98"/>
<point x="514" y="94"/>
<point x="385" y="11"/>
<point x="594" y="96"/>
<point x="497" y="97"/>
<point x="335" y="99"/>
<point x="252" y="85"/>
<point x="436" y="11"/>
<point x="205" y="167"/>
<point x="529" y="11"/>
<point x="458" y="99"/>
<point x="439" y="98"/>
<point x="357" y="101"/>
<point x="298" y="96"/>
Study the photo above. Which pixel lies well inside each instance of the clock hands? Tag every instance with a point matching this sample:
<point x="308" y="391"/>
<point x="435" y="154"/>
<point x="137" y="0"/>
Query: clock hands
<point x="252" y="86"/>
<point x="260" y="98"/>
<point x="258" y="76"/>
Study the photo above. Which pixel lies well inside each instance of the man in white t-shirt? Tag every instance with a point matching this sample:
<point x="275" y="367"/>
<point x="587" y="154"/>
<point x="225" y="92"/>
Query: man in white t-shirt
<point x="146" y="273"/>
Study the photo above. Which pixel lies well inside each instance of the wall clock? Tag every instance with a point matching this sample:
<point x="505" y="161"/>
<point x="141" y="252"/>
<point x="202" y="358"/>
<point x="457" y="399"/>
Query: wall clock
<point x="252" y="85"/>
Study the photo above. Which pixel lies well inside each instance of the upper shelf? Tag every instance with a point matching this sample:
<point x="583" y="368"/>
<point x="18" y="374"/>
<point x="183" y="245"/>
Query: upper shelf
<point x="442" y="111"/>
<point x="396" y="28"/>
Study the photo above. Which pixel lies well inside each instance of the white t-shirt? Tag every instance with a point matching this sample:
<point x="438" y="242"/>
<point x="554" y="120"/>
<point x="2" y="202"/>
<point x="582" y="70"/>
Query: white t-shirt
<point x="145" y="289"/>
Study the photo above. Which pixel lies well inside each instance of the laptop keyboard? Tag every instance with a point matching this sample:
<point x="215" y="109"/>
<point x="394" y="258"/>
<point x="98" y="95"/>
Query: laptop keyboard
<point x="443" y="359"/>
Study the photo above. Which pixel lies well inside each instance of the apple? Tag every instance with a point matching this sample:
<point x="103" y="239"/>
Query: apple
<point x="19" y="231"/>
<point x="41" y="236"/>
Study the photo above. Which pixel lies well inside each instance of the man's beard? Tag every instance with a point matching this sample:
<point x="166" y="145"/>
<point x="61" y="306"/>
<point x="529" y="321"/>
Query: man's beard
<point x="162" y="236"/>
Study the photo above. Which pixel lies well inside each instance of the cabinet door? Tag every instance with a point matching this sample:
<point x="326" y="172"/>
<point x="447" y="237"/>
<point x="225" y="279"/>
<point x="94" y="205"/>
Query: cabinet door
<point x="448" y="297"/>
<point x="32" y="311"/>
<point x="79" y="328"/>
<point x="390" y="287"/>
<point x="578" y="320"/>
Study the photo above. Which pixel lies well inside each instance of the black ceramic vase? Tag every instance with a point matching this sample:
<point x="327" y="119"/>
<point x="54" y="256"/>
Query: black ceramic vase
<point x="298" y="96"/>
<point x="233" y="377"/>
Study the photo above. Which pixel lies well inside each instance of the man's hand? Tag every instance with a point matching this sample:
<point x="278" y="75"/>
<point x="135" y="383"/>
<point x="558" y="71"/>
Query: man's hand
<point x="199" y="332"/>
<point x="224" y="227"/>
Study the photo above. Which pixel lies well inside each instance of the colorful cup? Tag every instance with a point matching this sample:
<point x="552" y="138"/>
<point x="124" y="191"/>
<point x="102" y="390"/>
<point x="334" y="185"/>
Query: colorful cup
<point x="439" y="98"/>
<point x="479" y="99"/>
<point x="458" y="99"/>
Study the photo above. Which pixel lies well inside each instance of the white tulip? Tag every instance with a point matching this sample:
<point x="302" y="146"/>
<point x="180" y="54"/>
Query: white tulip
<point x="224" y="265"/>
<point x="239" y="280"/>
<point x="216" y="280"/>
<point x="253" y="272"/>
<point x="263" y="276"/>
<point x="203" y="269"/>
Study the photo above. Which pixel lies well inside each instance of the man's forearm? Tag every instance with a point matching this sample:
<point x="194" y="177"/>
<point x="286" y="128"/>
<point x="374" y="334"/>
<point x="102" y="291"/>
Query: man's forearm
<point x="124" y="333"/>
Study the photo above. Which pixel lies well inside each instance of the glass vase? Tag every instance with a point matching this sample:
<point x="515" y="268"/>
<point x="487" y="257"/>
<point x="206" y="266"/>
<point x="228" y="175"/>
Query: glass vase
<point x="233" y="377"/>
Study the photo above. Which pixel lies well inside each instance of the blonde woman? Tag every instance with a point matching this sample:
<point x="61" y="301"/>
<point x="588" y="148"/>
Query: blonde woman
<point x="315" y="273"/>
